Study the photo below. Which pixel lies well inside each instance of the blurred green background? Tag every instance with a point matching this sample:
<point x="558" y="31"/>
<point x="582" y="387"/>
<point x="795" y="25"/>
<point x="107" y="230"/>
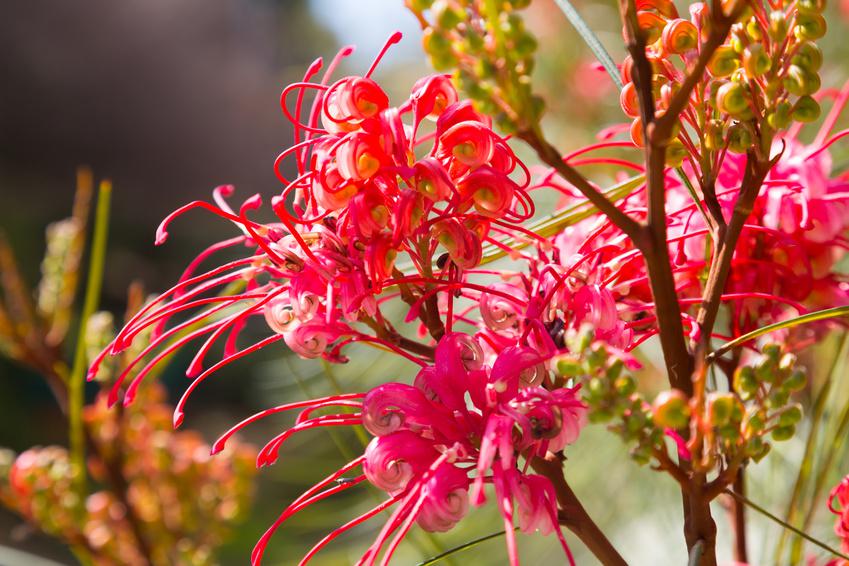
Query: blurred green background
<point x="170" y="98"/>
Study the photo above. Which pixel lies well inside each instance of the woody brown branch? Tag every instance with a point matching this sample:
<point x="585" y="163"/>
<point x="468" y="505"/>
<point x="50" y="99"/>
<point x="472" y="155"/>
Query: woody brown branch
<point x="572" y="514"/>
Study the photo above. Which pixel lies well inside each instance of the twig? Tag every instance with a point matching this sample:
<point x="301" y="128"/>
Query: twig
<point x="573" y="515"/>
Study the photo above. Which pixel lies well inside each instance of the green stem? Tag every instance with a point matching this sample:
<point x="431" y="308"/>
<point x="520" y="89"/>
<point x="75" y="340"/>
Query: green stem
<point x="462" y="547"/>
<point x="76" y="383"/>
<point x="787" y="526"/>
<point x="807" y="465"/>
<point x="805" y="318"/>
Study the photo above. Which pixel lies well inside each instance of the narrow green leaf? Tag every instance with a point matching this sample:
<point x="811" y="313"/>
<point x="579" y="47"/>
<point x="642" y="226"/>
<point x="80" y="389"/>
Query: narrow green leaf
<point x="803" y="319"/>
<point x="461" y="548"/>
<point x="808" y="459"/>
<point x="76" y="384"/>
<point x="591" y="40"/>
<point x="767" y="514"/>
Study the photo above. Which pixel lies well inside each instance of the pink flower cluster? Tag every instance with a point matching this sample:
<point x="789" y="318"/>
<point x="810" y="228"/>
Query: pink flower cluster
<point x="438" y="443"/>
<point x="784" y="264"/>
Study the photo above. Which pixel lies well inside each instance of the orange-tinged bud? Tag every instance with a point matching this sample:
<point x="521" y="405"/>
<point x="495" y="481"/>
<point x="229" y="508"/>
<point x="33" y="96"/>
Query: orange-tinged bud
<point x="679" y="36"/>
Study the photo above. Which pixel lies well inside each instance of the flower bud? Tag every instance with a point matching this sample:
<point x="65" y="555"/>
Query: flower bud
<point x="723" y="62"/>
<point x="714" y="135"/>
<point x="679" y="36"/>
<point x="800" y="82"/>
<point x="808" y="56"/>
<point x="777" y="26"/>
<point x="671" y="409"/>
<point x="757" y="449"/>
<point x="745" y="383"/>
<point x="783" y="433"/>
<point x="791" y="416"/>
<point x="721" y="408"/>
<point x="733" y="98"/>
<point x="755" y="60"/>
<point x="567" y="366"/>
<point x="446" y="15"/>
<point x="809" y="27"/>
<point x="625" y="386"/>
<point x="629" y="101"/>
<point x="780" y="118"/>
<point x="739" y="138"/>
<point x="652" y="25"/>
<point x="796" y="381"/>
<point x="637" y="133"/>
<point x="438" y="46"/>
<point x="806" y="109"/>
<point x="753" y="29"/>
<point x="777" y="399"/>
<point x="810" y="6"/>
<point x="675" y="153"/>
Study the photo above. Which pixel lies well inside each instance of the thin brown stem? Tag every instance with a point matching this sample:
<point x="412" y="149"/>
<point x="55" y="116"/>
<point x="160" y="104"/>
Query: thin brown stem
<point x="549" y="155"/>
<point x="572" y="514"/>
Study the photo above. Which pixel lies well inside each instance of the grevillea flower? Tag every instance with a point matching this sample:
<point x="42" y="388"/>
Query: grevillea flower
<point x="438" y="445"/>
<point x="373" y="182"/>
<point x="838" y="503"/>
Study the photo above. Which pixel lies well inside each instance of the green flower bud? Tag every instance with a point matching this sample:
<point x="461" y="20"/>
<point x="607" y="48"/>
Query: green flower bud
<point x="724" y="62"/>
<point x="729" y="433"/>
<point x="753" y="29"/>
<point x="780" y="118"/>
<point x="809" y="27"/>
<point x="739" y="138"/>
<point x="791" y="416"/>
<point x="787" y="362"/>
<point x="755" y="60"/>
<point x="733" y="98"/>
<point x="419" y="5"/>
<point x="675" y="153"/>
<point x="714" y="135"/>
<point x="806" y="109"/>
<point x="438" y="47"/>
<point x="796" y="381"/>
<point x="598" y="416"/>
<point x="625" y="385"/>
<point x="721" y="407"/>
<point x="447" y="16"/>
<point x="777" y="25"/>
<point x="745" y="383"/>
<point x="783" y="433"/>
<point x="755" y="423"/>
<point x="777" y="399"/>
<point x="568" y="366"/>
<point x="808" y="56"/>
<point x="671" y="409"/>
<point x="772" y="351"/>
<point x="800" y="82"/>
<point x="810" y="6"/>
<point x="757" y="449"/>
<point x="596" y="387"/>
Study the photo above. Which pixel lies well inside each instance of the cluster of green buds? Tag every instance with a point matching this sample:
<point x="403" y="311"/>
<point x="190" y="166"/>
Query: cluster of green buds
<point x="610" y="392"/>
<point x="486" y="45"/>
<point x="737" y="424"/>
<point x="756" y="84"/>
<point x="762" y="396"/>
<point x="180" y="501"/>
<point x="767" y="73"/>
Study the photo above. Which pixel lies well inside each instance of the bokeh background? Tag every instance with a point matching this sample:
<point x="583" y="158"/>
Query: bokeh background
<point x="170" y="98"/>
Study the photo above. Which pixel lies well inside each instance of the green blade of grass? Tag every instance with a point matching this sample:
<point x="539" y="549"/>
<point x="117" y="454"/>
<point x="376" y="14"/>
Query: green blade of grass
<point x="591" y="39"/>
<point x="76" y="383"/>
<point x="461" y="548"/>
<point x="803" y="319"/>
<point x="801" y="533"/>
